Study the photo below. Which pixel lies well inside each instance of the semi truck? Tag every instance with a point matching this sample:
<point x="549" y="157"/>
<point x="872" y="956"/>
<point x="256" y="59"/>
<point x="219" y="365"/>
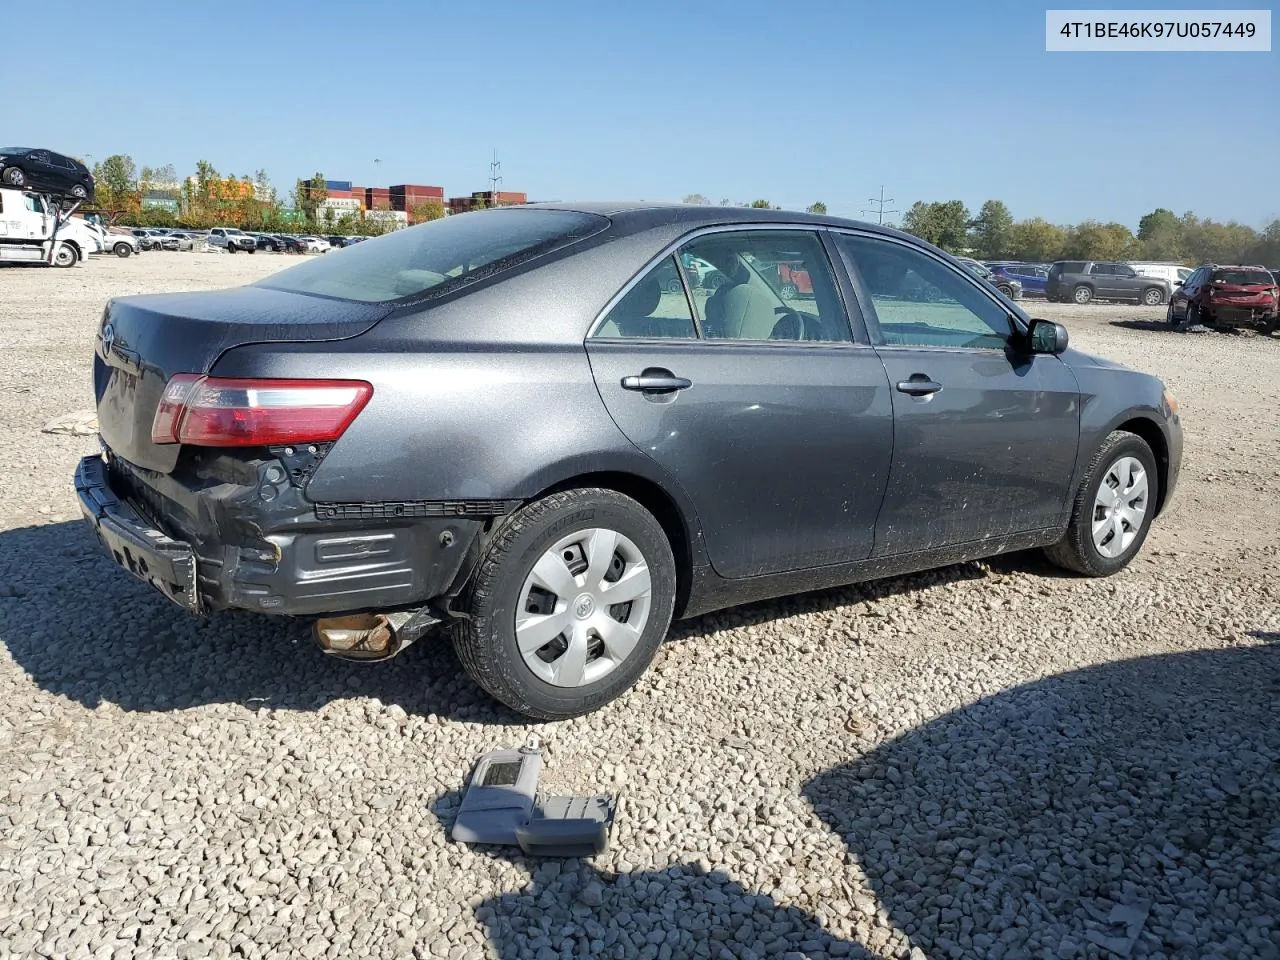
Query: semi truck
<point x="34" y="228"/>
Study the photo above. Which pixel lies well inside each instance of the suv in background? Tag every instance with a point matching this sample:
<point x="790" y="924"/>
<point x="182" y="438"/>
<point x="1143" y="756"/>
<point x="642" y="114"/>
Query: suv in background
<point x="1010" y="287"/>
<point x="1081" y="281"/>
<point x="1227" y="296"/>
<point x="1031" y="276"/>
<point x="232" y="239"/>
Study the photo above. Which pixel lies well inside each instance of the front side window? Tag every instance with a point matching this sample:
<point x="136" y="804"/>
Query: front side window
<point x="1123" y="270"/>
<point x="654" y="308"/>
<point x="920" y="301"/>
<point x="765" y="285"/>
<point x="438" y="256"/>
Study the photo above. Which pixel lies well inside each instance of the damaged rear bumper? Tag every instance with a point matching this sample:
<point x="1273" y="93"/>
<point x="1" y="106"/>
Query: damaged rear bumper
<point x="240" y="535"/>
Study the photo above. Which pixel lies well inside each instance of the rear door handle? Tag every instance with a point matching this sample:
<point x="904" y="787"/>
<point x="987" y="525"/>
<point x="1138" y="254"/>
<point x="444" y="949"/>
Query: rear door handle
<point x="919" y="385"/>
<point x="656" y="381"/>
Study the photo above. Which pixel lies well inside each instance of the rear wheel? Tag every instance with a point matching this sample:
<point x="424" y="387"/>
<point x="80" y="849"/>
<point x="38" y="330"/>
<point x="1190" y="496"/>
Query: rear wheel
<point x="231" y="248"/>
<point x="1153" y="296"/>
<point x="673" y="285"/>
<point x="569" y="603"/>
<point x="1113" y="508"/>
<point x="788" y="291"/>
<point x="122" y="249"/>
<point x="1082" y="294"/>
<point x="79" y="192"/>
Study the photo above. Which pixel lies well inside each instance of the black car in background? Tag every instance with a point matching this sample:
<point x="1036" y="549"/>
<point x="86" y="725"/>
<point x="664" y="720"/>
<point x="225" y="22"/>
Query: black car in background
<point x="265" y="241"/>
<point x="43" y="171"/>
<point x="1081" y="281"/>
<point x="337" y="241"/>
<point x="511" y="421"/>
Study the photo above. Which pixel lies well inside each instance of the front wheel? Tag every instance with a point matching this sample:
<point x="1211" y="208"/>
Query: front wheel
<point x="123" y="250"/>
<point x="65" y="257"/>
<point x="1113" y="509"/>
<point x="569" y="603"/>
<point x="253" y="249"/>
<point x="1082" y="294"/>
<point x="79" y="192"/>
<point x="14" y="177"/>
<point x="788" y="291"/>
<point x="1006" y="290"/>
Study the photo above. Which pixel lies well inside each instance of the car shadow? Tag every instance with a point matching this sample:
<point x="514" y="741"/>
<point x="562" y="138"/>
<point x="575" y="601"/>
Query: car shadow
<point x="681" y="911"/>
<point x="84" y="629"/>
<point x="1161" y="326"/>
<point x="1131" y="808"/>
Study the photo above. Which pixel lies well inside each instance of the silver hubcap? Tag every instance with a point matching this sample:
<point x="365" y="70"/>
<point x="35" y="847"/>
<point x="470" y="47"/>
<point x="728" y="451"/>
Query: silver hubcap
<point x="1120" y="507"/>
<point x="1082" y="296"/>
<point x="583" y="607"/>
<point x="1153" y="298"/>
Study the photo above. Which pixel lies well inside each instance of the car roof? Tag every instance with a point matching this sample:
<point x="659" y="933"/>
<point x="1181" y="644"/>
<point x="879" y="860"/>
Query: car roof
<point x="634" y="216"/>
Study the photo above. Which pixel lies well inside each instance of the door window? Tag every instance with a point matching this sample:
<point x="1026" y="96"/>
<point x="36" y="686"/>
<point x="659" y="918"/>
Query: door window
<point x="1123" y="270"/>
<point x="1101" y="270"/>
<point x="766" y="285"/>
<point x="920" y="301"/>
<point x="655" y="308"/>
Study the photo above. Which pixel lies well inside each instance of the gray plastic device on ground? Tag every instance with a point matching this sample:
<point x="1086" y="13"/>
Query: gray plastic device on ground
<point x="502" y="806"/>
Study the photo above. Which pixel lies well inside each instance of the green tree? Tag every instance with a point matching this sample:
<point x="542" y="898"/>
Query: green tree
<point x="1208" y="241"/>
<point x="1267" y="250"/>
<point x="1037" y="240"/>
<point x="1092" y="240"/>
<point x="816" y="207"/>
<point x="992" y="232"/>
<point x="429" y="210"/>
<point x="762" y="205"/>
<point x="695" y="198"/>
<point x="1160" y="235"/>
<point x="945" y="223"/>
<point x="309" y="195"/>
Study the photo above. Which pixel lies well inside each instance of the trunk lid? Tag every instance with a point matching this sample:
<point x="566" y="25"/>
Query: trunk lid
<point x="145" y="340"/>
<point x="1255" y="293"/>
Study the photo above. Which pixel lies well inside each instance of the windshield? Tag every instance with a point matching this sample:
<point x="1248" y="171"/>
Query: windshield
<point x="1244" y="277"/>
<point x="441" y="253"/>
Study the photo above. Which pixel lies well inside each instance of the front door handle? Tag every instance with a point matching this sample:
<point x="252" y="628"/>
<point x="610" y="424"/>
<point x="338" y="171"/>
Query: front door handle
<point x="919" y="385"/>
<point x="656" y="381"/>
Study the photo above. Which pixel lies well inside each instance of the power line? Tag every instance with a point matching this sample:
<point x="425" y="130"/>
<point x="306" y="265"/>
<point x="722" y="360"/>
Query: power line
<point x="880" y="201"/>
<point x="495" y="176"/>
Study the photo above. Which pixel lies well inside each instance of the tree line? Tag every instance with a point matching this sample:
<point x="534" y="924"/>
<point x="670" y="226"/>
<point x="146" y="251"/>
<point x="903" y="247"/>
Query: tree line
<point x="995" y="235"/>
<point x="209" y="199"/>
<point x="1162" y="235"/>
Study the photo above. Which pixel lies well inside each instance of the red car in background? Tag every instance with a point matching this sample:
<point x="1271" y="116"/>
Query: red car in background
<point x="1227" y="296"/>
<point x="793" y="281"/>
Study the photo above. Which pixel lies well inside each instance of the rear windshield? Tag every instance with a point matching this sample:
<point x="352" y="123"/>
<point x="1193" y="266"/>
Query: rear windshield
<point x="436" y="256"/>
<point x="1244" y="277"/>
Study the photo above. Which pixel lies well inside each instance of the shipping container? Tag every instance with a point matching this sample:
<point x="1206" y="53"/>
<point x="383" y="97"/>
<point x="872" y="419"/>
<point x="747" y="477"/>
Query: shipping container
<point x="337" y="185"/>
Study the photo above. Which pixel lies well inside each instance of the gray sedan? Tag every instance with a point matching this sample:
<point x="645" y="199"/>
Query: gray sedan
<point x="527" y="424"/>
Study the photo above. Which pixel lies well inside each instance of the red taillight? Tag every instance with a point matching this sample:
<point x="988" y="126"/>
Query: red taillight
<point x="222" y="412"/>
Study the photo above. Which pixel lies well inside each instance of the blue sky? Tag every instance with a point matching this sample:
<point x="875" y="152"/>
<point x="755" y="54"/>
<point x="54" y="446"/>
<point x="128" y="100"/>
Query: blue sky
<point x="792" y="102"/>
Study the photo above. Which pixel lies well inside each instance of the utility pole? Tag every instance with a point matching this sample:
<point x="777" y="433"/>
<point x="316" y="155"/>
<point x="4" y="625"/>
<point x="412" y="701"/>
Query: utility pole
<point x="880" y="201"/>
<point x="495" y="177"/>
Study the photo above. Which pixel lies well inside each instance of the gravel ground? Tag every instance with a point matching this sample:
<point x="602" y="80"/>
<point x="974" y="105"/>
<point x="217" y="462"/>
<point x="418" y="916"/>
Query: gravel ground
<point x="990" y="760"/>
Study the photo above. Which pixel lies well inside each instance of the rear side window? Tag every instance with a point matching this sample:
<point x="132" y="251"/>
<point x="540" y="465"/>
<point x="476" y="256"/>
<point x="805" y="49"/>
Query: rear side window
<point x="655" y="308"/>
<point x="1243" y="277"/>
<point x="437" y="256"/>
<point x="1101" y="269"/>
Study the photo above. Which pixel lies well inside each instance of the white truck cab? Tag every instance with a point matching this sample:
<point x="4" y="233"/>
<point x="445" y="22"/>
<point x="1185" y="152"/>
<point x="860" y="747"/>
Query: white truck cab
<point x="27" y="225"/>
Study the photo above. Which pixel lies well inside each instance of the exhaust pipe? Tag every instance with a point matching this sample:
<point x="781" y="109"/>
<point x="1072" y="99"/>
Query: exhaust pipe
<point x="369" y="637"/>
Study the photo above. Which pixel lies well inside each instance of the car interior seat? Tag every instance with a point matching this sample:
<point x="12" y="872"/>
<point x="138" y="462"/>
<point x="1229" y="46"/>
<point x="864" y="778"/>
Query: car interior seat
<point x="632" y="316"/>
<point x="739" y="310"/>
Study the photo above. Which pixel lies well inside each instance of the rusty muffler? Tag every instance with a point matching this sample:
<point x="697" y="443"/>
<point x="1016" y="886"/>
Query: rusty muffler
<point x="371" y="636"/>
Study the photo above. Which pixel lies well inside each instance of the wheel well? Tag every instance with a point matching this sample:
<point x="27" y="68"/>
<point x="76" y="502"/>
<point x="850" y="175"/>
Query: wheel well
<point x="654" y="499"/>
<point x="1150" y="432"/>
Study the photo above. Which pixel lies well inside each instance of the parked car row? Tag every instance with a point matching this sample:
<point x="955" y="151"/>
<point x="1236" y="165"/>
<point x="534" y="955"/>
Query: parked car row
<point x="1082" y="281"/>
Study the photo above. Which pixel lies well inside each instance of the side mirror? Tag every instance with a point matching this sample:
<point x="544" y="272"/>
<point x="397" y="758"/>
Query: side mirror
<point x="1046" y="336"/>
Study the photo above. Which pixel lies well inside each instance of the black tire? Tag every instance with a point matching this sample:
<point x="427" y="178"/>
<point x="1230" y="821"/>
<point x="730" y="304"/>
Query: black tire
<point x="14" y="177"/>
<point x="1006" y="290"/>
<point x="79" y="192"/>
<point x="486" y="641"/>
<point x="1082" y="294"/>
<point x="231" y="248"/>
<point x="1076" y="550"/>
<point x="713" y="281"/>
<point x="1170" y="319"/>
<point x="253" y="249"/>
<point x="1152" y="297"/>
<point x="65" y="256"/>
<point x="122" y="250"/>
